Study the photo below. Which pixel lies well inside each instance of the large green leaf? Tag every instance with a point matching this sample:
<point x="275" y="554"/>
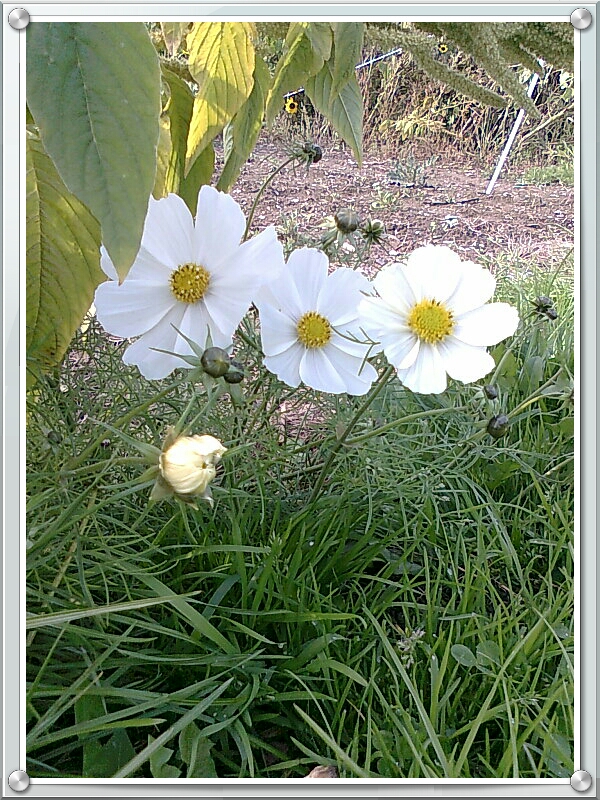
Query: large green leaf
<point x="179" y="111"/>
<point x="242" y="132"/>
<point x="344" y="110"/>
<point x="221" y="61"/>
<point x="307" y="46"/>
<point x="63" y="261"/>
<point x="94" y="92"/>
<point x="348" y="39"/>
<point x="199" y="175"/>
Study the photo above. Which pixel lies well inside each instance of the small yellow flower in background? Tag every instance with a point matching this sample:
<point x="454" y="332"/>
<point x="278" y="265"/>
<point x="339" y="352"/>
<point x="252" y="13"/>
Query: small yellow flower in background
<point x="291" y="105"/>
<point x="442" y="48"/>
<point x="187" y="466"/>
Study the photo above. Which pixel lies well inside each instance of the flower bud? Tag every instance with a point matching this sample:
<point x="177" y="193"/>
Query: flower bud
<point x="498" y="426"/>
<point x="189" y="464"/>
<point x="373" y="230"/>
<point x="235" y="373"/>
<point x="215" y="361"/>
<point x="346" y="220"/>
<point x="490" y="391"/>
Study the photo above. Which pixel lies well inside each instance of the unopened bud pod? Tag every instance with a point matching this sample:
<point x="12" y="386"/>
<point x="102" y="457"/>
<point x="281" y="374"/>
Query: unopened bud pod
<point x="346" y="220"/>
<point x="490" y="392"/>
<point x="373" y="230"/>
<point x="235" y="373"/>
<point x="498" y="426"/>
<point x="215" y="361"/>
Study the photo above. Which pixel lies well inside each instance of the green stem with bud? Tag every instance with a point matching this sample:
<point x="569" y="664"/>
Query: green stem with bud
<point x="260" y="193"/>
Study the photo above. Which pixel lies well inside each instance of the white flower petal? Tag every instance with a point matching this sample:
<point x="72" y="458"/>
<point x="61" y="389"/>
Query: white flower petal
<point x="356" y="374"/>
<point x="427" y="375"/>
<point x="107" y="265"/>
<point x="433" y="272"/>
<point x="379" y="319"/>
<point x="394" y="289"/>
<point x="168" y="231"/>
<point x="152" y="364"/>
<point x="286" y="365"/>
<point x="340" y="295"/>
<point x="357" y="349"/>
<point x="234" y="282"/>
<point x="401" y="350"/>
<point x="220" y="225"/>
<point x="282" y="295"/>
<point x="487" y="325"/>
<point x="463" y="362"/>
<point x="317" y="371"/>
<point x="277" y="331"/>
<point x="133" y="307"/>
<point x="196" y="324"/>
<point x="475" y="287"/>
<point x="308" y="268"/>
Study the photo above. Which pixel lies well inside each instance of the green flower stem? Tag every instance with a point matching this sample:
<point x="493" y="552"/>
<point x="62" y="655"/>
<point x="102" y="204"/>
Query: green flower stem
<point x="213" y="397"/>
<point x="109" y="462"/>
<point x="434" y="412"/>
<point x="341" y="440"/>
<point x="260" y="193"/>
<point x="78" y="460"/>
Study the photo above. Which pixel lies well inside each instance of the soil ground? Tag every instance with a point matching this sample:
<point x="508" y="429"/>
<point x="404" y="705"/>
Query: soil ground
<point x="527" y="223"/>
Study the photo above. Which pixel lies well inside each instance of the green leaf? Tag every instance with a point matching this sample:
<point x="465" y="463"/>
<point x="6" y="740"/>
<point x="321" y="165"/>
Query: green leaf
<point x="159" y="768"/>
<point x="94" y="92"/>
<point x="488" y="653"/>
<point x="463" y="655"/>
<point x="199" y="175"/>
<point x="343" y="110"/>
<point x="319" y="34"/>
<point x="179" y="109"/>
<point x="304" y="56"/>
<point x="348" y="40"/>
<point x="163" y="159"/>
<point x="222" y="63"/>
<point x="195" y="751"/>
<point x="101" y="760"/>
<point x="62" y="264"/>
<point x="241" y="133"/>
<point x="173" y="33"/>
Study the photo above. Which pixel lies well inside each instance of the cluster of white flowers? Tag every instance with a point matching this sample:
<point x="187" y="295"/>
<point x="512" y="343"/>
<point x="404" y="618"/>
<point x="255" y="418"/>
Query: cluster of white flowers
<point x="429" y="315"/>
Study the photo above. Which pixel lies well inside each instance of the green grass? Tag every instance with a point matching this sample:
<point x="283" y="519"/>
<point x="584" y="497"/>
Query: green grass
<point x="415" y="620"/>
<point x="563" y="173"/>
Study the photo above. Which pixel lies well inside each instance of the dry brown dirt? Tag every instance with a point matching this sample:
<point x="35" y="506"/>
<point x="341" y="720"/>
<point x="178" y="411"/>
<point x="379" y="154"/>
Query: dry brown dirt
<point x="527" y="223"/>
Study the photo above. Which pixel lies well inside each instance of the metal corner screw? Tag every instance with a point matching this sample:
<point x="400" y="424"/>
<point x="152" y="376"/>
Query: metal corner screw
<point x="18" y="780"/>
<point x="581" y="780"/>
<point x="581" y="19"/>
<point x="19" y="18"/>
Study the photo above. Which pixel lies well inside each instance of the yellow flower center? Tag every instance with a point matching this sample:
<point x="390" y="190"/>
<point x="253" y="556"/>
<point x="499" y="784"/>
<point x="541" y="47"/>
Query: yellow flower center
<point x="313" y="330"/>
<point x="189" y="282"/>
<point x="431" y="321"/>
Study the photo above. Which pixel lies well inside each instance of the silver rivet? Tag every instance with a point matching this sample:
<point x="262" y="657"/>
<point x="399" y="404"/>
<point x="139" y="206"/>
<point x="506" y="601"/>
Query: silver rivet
<point x="581" y="780"/>
<point x="581" y="19"/>
<point x="18" y="780"/>
<point x="18" y="18"/>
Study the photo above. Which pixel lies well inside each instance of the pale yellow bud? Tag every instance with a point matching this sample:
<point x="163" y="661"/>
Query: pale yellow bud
<point x="189" y="464"/>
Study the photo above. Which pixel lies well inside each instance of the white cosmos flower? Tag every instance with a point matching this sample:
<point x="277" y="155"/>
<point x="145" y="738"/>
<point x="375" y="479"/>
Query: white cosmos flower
<point x="307" y="321"/>
<point x="432" y="320"/>
<point x="191" y="274"/>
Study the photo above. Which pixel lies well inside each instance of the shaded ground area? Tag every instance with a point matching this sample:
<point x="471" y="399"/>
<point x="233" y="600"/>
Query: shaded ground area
<point x="527" y="223"/>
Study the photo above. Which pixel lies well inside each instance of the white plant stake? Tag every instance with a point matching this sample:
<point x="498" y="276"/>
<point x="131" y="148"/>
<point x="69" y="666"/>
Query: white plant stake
<point x="509" y="143"/>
